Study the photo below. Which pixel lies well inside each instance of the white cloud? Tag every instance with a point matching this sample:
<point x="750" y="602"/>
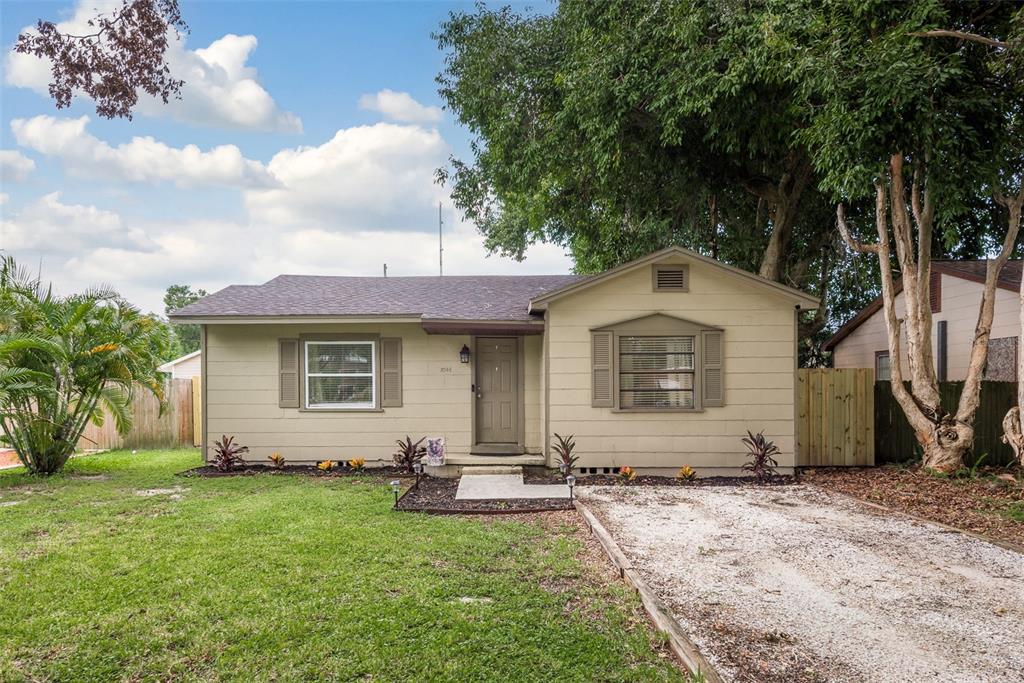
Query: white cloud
<point x="361" y="199"/>
<point x="52" y="226"/>
<point x="366" y="177"/>
<point x="400" y="106"/>
<point x="15" y="167"/>
<point x="141" y="160"/>
<point x="220" y="89"/>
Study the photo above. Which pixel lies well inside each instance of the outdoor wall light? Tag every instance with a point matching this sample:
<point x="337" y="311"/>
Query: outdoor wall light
<point x="396" y="485"/>
<point x="464" y="354"/>
<point x="571" y="481"/>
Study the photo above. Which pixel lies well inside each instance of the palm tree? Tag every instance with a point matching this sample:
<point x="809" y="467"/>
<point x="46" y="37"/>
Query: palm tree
<point x="66" y="361"/>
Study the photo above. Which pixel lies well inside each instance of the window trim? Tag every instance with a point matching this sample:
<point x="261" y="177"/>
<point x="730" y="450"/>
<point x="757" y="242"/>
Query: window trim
<point x="373" y="340"/>
<point x="660" y="325"/>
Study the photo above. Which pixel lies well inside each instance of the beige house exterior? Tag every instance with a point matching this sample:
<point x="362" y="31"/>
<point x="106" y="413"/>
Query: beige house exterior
<point x="956" y="288"/>
<point x="185" y="367"/>
<point x="665" y="361"/>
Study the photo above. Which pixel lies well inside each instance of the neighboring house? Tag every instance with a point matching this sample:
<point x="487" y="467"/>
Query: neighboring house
<point x="664" y="361"/>
<point x="186" y="367"/>
<point x="956" y="288"/>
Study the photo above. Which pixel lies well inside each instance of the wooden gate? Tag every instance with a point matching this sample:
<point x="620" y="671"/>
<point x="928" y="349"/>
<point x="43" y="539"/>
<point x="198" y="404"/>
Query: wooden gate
<point x="835" y="417"/>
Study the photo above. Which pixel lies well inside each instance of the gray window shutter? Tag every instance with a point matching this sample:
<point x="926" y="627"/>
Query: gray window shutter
<point x="601" y="370"/>
<point x="391" y="372"/>
<point x="713" y="368"/>
<point x="288" y="373"/>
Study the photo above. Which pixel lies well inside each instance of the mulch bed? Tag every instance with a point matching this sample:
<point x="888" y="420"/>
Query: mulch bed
<point x="980" y="505"/>
<point x="308" y="470"/>
<point x="540" y="475"/>
<point x="437" y="496"/>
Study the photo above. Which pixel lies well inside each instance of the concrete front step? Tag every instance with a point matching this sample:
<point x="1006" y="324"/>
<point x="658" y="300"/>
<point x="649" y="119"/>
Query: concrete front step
<point x="492" y="469"/>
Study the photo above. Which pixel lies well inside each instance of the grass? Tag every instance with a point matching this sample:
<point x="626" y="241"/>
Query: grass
<point x="292" y="578"/>
<point x="1014" y="511"/>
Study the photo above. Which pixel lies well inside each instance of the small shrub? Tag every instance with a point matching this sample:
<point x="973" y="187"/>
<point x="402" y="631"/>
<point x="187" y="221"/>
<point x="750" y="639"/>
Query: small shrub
<point x="325" y="465"/>
<point x="357" y="464"/>
<point x="627" y="473"/>
<point x="564" y="447"/>
<point x="972" y="471"/>
<point x="686" y="473"/>
<point x="276" y="460"/>
<point x="762" y="454"/>
<point x="408" y="453"/>
<point x="227" y="454"/>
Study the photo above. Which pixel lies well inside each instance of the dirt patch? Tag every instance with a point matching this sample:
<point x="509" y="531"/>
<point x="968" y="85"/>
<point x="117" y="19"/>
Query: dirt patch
<point x="986" y="505"/>
<point x="797" y="584"/>
<point x="174" y="493"/>
<point x="437" y="495"/>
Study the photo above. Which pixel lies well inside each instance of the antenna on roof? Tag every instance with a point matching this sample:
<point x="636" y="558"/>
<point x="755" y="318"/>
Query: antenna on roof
<point x="440" y="241"/>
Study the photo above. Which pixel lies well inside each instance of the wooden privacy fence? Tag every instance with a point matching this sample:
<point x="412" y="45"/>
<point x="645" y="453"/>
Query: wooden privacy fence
<point x="895" y="441"/>
<point x="835" y="417"/>
<point x="150" y="429"/>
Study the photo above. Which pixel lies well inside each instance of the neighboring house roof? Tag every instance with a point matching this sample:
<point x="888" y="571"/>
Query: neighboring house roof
<point x="451" y="297"/>
<point x="974" y="271"/>
<point x="169" y="365"/>
<point x="807" y="301"/>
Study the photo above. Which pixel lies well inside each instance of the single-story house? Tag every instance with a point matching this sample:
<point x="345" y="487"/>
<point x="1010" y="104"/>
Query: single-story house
<point x="184" y="367"/>
<point x="956" y="288"/>
<point x="664" y="361"/>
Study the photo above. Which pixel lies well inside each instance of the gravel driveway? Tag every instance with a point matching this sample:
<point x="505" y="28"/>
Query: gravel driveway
<point x="797" y="584"/>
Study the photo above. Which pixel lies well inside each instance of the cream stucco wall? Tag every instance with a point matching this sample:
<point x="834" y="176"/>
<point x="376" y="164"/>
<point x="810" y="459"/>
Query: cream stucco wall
<point x="759" y="334"/>
<point x="960" y="301"/>
<point x="242" y="396"/>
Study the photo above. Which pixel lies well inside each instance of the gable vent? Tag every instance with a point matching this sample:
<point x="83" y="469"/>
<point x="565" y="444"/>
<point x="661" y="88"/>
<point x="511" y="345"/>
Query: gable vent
<point x="671" y="279"/>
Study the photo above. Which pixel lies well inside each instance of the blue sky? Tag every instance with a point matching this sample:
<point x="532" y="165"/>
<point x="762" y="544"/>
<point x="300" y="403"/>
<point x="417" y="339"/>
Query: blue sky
<point x="305" y="141"/>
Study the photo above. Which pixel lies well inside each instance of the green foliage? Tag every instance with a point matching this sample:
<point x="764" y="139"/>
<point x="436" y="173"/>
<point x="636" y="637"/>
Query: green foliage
<point x="178" y="296"/>
<point x="66" y="360"/>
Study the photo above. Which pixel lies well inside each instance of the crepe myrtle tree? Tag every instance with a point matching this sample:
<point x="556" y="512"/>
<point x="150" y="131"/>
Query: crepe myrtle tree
<point x="922" y="102"/>
<point x="118" y="55"/>
<point x="66" y="361"/>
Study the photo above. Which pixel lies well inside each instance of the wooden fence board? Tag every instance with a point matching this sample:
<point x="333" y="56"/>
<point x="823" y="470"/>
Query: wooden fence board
<point x="835" y="410"/>
<point x="895" y="440"/>
<point x="197" y="411"/>
<point x="151" y="428"/>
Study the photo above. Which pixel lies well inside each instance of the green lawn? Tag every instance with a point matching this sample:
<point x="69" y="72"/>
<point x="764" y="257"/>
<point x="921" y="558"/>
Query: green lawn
<point x="292" y="578"/>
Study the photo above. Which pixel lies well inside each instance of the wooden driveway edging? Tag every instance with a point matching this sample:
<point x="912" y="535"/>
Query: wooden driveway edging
<point x="678" y="641"/>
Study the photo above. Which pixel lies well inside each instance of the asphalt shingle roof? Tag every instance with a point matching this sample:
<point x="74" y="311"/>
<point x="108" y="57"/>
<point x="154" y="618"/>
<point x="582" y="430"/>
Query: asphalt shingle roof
<point x="452" y="297"/>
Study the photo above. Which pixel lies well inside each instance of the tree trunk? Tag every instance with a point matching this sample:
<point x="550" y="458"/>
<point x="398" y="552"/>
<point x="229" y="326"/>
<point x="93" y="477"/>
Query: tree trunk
<point x="945" y="438"/>
<point x="1013" y="430"/>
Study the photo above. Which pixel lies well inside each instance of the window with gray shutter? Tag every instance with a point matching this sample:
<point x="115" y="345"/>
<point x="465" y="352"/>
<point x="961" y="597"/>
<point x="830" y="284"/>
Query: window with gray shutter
<point x="288" y="373"/>
<point x="391" y="372"/>
<point x="601" y="370"/>
<point x="714" y="378"/>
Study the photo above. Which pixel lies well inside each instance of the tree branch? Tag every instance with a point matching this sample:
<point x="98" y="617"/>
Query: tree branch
<point x="960" y="35"/>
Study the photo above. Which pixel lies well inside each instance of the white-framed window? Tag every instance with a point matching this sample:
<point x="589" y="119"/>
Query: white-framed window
<point x="341" y="374"/>
<point x="882" y="368"/>
<point x="657" y="372"/>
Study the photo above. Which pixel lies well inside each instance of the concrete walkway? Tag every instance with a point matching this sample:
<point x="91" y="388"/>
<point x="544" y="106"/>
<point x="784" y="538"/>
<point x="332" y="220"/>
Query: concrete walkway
<point x="502" y="486"/>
